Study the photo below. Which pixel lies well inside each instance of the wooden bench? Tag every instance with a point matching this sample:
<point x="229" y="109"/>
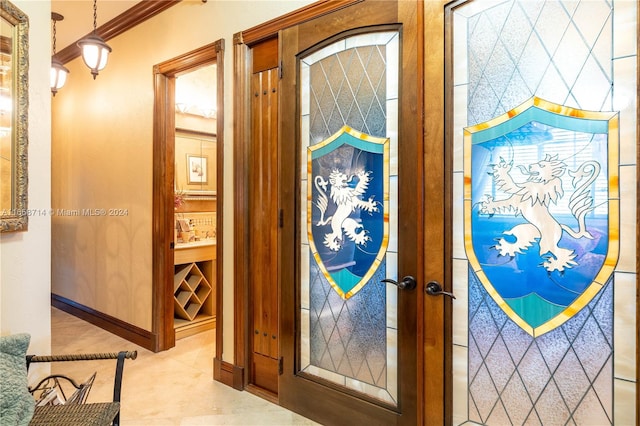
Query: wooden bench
<point x="79" y="412"/>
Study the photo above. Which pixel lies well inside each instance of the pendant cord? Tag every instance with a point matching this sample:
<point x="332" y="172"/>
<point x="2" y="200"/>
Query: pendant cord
<point x="54" y="37"/>
<point x="95" y="14"/>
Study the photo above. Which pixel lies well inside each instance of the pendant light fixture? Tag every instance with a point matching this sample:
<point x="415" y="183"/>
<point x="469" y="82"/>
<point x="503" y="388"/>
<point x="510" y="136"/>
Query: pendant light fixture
<point x="58" y="75"/>
<point x="95" y="51"/>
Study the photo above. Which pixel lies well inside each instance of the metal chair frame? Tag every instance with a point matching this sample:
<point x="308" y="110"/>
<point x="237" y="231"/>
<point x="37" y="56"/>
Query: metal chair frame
<point x="79" y="406"/>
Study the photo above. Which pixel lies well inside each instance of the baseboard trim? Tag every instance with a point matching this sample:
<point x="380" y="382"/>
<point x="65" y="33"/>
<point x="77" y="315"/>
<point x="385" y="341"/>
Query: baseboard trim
<point x="127" y="331"/>
<point x="229" y="374"/>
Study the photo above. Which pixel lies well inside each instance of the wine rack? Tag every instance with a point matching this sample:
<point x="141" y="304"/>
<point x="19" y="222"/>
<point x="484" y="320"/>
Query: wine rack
<point x="191" y="291"/>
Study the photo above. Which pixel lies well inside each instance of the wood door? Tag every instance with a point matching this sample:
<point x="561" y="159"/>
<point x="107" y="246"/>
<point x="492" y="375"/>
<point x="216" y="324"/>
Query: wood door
<point x="351" y="195"/>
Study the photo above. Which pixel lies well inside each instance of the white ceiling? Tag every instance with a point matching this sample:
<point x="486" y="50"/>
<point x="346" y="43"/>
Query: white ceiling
<point x="78" y="17"/>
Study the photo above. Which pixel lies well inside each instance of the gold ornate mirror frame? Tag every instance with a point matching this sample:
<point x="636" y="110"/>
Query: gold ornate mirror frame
<point x="14" y="93"/>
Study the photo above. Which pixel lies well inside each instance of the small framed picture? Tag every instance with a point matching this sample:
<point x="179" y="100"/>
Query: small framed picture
<point x="196" y="169"/>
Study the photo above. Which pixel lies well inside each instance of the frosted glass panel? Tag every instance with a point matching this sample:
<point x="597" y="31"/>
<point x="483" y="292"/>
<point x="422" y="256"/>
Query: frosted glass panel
<point x="348" y="107"/>
<point x="558" y="51"/>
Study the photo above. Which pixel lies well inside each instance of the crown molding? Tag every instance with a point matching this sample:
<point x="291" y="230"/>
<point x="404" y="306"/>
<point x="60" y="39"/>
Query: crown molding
<point x="121" y="23"/>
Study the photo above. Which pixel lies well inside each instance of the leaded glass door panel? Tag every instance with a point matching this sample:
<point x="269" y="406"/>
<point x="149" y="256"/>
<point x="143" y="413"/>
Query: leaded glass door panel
<point x="351" y="173"/>
<point x="544" y="118"/>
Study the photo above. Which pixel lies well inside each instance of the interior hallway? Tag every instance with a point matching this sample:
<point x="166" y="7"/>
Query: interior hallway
<point x="173" y="387"/>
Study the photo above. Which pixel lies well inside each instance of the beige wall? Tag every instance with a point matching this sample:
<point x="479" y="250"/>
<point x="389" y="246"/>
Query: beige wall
<point x="25" y="261"/>
<point x="102" y="159"/>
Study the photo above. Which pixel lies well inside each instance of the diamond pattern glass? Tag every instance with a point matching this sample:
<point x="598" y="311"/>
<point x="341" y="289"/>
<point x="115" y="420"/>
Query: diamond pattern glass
<point x="350" y="340"/>
<point x="558" y="51"/>
<point x="562" y="52"/>
<point x="542" y="380"/>
<point x="349" y="88"/>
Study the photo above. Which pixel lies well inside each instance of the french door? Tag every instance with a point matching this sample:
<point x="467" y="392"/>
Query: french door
<point x="541" y="100"/>
<point x="351" y="240"/>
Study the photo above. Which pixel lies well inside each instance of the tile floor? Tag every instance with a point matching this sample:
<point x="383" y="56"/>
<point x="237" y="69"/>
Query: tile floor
<point x="173" y="387"/>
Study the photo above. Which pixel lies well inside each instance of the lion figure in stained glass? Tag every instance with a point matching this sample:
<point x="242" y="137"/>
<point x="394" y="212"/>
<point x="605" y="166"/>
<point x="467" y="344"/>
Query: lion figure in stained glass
<point x="346" y="192"/>
<point x="532" y="199"/>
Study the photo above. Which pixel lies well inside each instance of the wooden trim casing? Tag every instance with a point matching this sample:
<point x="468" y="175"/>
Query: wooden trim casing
<point x="219" y="48"/>
<point x="242" y="134"/>
<point x="162" y="220"/>
<point x="163" y="184"/>
<point x="229" y="374"/>
<point x="124" y="22"/>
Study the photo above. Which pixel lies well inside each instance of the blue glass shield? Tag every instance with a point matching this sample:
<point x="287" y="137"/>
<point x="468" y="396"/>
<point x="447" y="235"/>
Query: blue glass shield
<point x="542" y="208"/>
<point x="348" y="207"/>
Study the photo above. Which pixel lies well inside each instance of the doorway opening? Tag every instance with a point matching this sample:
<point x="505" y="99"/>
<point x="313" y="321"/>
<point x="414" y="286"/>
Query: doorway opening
<point x="195" y="202"/>
<point x="187" y="183"/>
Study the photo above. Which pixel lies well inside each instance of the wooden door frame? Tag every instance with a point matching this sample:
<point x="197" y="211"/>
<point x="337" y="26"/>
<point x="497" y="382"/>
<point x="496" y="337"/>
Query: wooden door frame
<point x="235" y="374"/>
<point x="163" y="187"/>
<point x="303" y="391"/>
<point x="438" y="183"/>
